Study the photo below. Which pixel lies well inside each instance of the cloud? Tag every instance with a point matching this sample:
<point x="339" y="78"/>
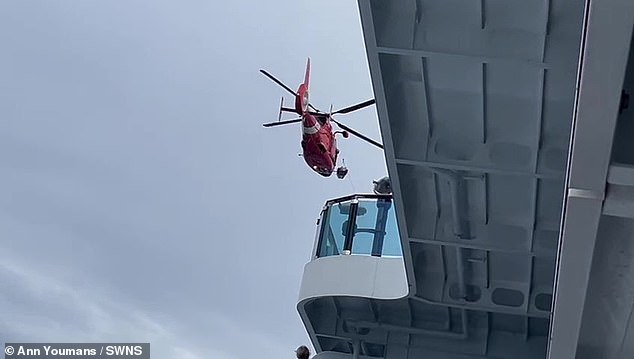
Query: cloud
<point x="39" y="307"/>
<point x="140" y="197"/>
<point x="58" y="312"/>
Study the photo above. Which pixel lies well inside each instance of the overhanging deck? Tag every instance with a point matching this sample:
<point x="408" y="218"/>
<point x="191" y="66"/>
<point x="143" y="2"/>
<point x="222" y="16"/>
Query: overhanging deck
<point x="476" y="101"/>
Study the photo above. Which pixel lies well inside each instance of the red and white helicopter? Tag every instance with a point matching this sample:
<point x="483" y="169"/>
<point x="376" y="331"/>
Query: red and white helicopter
<point x="318" y="138"/>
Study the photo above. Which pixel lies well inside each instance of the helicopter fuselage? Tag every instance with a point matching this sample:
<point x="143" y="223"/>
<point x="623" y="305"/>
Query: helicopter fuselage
<point x="318" y="138"/>
<point x="319" y="145"/>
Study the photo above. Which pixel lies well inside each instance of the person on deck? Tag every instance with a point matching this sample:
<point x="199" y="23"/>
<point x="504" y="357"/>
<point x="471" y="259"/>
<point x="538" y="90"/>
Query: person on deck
<point x="302" y="352"/>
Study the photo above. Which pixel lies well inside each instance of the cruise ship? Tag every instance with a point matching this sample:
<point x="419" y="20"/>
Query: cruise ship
<point x="509" y="232"/>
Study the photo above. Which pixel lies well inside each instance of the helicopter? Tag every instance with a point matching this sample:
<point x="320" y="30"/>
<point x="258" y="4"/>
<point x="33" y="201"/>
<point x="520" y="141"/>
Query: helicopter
<point x="318" y="142"/>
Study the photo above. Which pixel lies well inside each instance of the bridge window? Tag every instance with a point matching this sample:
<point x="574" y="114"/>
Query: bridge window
<point x="392" y="241"/>
<point x="363" y="225"/>
<point x="332" y="237"/>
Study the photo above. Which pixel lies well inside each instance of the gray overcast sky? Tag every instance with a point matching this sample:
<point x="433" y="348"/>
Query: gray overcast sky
<point x="140" y="197"/>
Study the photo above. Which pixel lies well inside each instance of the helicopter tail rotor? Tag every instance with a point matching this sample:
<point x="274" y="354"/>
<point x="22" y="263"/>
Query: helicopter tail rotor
<point x="279" y="116"/>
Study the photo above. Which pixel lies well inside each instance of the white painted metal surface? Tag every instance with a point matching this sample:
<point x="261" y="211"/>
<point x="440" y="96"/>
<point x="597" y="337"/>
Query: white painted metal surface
<point x="351" y="275"/>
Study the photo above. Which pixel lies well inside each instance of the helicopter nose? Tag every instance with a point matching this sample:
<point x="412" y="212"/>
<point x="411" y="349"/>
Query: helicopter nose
<point x="322" y="171"/>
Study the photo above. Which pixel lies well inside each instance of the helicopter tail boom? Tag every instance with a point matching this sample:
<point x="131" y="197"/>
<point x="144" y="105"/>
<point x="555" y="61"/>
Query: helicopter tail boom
<point x="301" y="100"/>
<point x="307" y="74"/>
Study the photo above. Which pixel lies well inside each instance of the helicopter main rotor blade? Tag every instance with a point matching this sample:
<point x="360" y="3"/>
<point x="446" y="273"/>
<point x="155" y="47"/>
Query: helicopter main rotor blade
<point x="265" y="73"/>
<point x="278" y="82"/>
<point x="355" y="107"/>
<point x="367" y="139"/>
<point x="279" y="123"/>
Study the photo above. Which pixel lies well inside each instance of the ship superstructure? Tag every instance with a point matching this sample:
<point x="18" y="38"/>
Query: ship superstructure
<point x="510" y="149"/>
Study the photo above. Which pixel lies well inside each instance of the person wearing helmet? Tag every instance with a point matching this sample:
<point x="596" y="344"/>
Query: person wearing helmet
<point x="302" y="352"/>
<point x="382" y="186"/>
